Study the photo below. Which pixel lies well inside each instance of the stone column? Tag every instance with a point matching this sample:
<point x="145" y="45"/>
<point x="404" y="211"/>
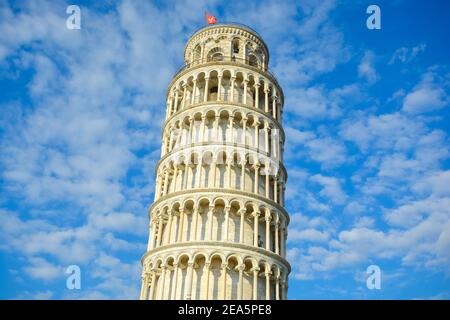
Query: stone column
<point x="183" y="103"/>
<point x="188" y="289"/>
<point x="229" y="173"/>
<point x="169" y="228"/>
<point x="152" y="285"/>
<point x="277" y="288"/>
<point x="230" y="129"/>
<point x="245" y="91"/>
<point x="202" y="129"/>
<point x="199" y="174"/>
<point x="205" y="95"/>
<point x="233" y="79"/>
<point x="256" y="124"/>
<point x="256" y="168"/>
<point x="277" y="240"/>
<point x="267" y="231"/>
<point x="266" y="99"/>
<point x="219" y="88"/>
<point x="194" y="88"/>
<point x="284" y="289"/>
<point x="215" y="134"/>
<point x="175" y="109"/>
<point x="244" y="130"/>
<point x="240" y="282"/>
<point x="210" y="223"/>
<point x="224" y="281"/>
<point x="174" y="178"/>
<point x="174" y="282"/>
<point x="160" y="229"/>
<point x="162" y="280"/>
<point x="241" y="231"/>
<point x="255" y="228"/>
<point x="274" y="107"/>
<point x="166" y="181"/>
<point x="275" y="188"/>
<point x="266" y="138"/>
<point x="267" y="182"/>
<point x="227" y="218"/>
<point x="181" y="226"/>
<point x="243" y="175"/>
<point x="257" y="85"/>
<point x="207" y="270"/>
<point x="153" y="235"/>
<point x="144" y="290"/>
<point x="267" y="274"/>
<point x="255" y="283"/>
<point x="213" y="165"/>
<point x="191" y="129"/>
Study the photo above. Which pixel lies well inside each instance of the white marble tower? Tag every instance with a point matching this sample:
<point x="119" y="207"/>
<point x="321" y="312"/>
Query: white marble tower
<point x="218" y="226"/>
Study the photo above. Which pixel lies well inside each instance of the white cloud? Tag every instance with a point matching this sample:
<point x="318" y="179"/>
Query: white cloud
<point x="331" y="188"/>
<point x="406" y="55"/>
<point x="366" y="68"/>
<point x="41" y="269"/>
<point x="427" y="96"/>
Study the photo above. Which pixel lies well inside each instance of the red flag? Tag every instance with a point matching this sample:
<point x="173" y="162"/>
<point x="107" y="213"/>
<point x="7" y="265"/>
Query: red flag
<point x="211" y="19"/>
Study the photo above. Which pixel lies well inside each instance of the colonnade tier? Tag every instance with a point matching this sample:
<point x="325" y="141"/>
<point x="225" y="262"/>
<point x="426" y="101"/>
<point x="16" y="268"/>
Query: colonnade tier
<point x="226" y="218"/>
<point x="233" y="84"/>
<point x="213" y="271"/>
<point x="207" y="167"/>
<point x="223" y="124"/>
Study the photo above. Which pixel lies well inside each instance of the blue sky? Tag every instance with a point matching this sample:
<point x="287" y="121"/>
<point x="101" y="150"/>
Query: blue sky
<point x="367" y="151"/>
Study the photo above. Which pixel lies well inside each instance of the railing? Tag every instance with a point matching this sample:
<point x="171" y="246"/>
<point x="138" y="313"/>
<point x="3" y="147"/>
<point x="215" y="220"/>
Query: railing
<point x="229" y="23"/>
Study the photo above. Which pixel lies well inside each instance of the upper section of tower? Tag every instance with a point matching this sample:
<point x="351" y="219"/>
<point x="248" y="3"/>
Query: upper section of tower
<point x="227" y="42"/>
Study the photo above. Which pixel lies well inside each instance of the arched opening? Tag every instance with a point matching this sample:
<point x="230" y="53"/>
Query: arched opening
<point x="197" y="54"/>
<point x="253" y="60"/>
<point x="215" y="54"/>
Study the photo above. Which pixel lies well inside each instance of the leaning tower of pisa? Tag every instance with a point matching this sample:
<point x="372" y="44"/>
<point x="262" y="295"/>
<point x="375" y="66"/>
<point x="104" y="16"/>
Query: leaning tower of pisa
<point x="218" y="226"/>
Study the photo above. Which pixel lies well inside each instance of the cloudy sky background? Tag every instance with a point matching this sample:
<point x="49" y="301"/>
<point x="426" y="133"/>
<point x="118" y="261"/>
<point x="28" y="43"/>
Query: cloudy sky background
<point x="367" y="150"/>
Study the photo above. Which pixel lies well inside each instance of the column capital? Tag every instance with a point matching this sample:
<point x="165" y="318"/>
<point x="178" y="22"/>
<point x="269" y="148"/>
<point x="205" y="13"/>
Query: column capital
<point x="242" y="211"/>
<point x="257" y="85"/>
<point x="257" y="269"/>
<point x="256" y="213"/>
<point x="224" y="266"/>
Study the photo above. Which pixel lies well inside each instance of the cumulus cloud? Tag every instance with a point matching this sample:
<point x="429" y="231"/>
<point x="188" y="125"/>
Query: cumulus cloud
<point x="428" y="95"/>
